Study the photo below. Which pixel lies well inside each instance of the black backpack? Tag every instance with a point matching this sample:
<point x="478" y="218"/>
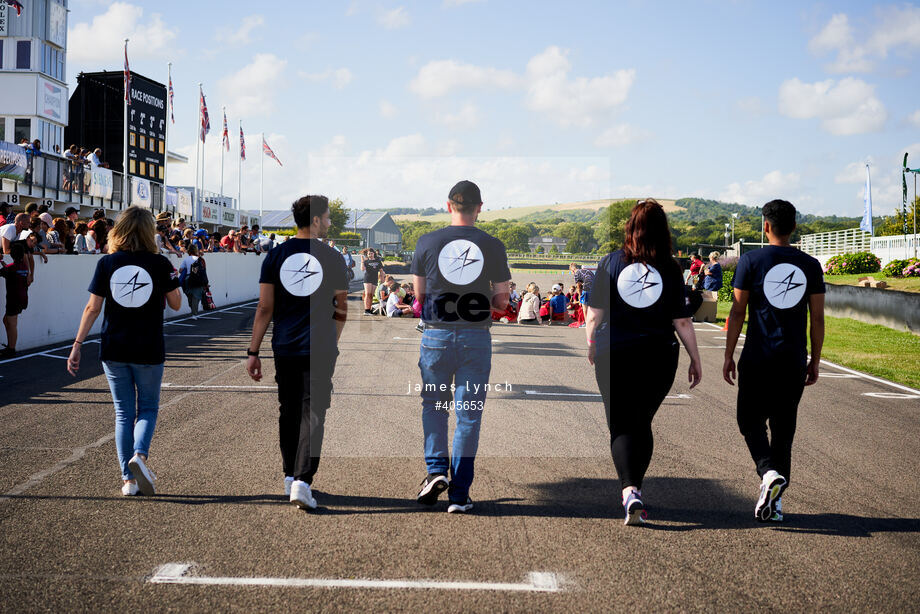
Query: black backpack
<point x="196" y="275"/>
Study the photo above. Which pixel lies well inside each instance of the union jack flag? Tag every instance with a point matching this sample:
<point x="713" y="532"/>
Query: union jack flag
<point x="226" y="136"/>
<point x="127" y="77"/>
<point x="205" y="120"/>
<point x="16" y="5"/>
<point x="172" y="102"/>
<point x="242" y="145"/>
<point x="268" y="152"/>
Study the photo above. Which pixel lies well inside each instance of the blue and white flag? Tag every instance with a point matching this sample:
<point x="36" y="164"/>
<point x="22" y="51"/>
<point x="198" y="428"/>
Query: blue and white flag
<point x="866" y="223"/>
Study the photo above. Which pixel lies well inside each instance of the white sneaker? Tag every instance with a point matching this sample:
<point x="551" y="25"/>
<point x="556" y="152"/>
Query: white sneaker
<point x="129" y="489"/>
<point x="771" y="489"/>
<point x="460" y="508"/>
<point x="288" y="480"/>
<point x="146" y="481"/>
<point x="302" y="496"/>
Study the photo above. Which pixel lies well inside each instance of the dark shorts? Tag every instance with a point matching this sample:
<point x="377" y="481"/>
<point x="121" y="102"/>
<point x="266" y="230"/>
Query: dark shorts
<point x="14" y="307"/>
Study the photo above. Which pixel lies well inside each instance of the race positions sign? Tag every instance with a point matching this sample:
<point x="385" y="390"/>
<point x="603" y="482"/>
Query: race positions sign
<point x="147" y="129"/>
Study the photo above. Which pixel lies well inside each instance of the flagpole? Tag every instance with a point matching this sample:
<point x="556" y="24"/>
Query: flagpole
<point x="261" y="170"/>
<point x="124" y="186"/>
<point x="204" y="150"/>
<point x="198" y="155"/>
<point x="239" y="175"/>
<point x="166" y="132"/>
<point x="223" y="122"/>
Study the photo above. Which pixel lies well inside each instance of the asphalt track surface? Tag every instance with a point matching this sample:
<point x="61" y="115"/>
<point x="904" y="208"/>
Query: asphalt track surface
<point x="546" y="495"/>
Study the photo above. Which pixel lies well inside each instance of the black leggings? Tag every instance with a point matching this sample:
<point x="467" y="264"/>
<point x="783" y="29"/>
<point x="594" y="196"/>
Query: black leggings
<point x="642" y="376"/>
<point x="305" y="393"/>
<point x="770" y="393"/>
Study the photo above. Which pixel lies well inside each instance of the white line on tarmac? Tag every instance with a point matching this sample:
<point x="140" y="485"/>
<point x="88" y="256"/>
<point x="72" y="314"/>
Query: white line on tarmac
<point x="590" y="394"/>
<point x="214" y="387"/>
<point x="78" y="453"/>
<point x="537" y="582"/>
<point x="53" y="356"/>
<point x="419" y="339"/>
<point x="178" y="324"/>
<point x="34" y="354"/>
<point x="207" y="318"/>
<point x="891" y="395"/>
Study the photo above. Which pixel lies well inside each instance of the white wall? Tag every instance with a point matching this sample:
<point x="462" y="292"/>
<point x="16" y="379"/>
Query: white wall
<point x="59" y="293"/>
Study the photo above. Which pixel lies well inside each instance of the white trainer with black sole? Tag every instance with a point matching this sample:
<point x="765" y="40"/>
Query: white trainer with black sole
<point x="635" y="510"/>
<point x="288" y="480"/>
<point x="146" y="481"/>
<point x="771" y="489"/>
<point x="302" y="496"/>
<point x="129" y="489"/>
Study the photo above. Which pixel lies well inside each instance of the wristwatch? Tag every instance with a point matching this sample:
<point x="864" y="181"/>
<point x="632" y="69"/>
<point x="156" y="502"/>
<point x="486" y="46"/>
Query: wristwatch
<point x="251" y="353"/>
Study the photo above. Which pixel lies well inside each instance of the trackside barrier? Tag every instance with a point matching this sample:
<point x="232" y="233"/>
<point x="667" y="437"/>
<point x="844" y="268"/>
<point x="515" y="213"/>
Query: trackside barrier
<point x="59" y="293"/>
<point x="891" y="308"/>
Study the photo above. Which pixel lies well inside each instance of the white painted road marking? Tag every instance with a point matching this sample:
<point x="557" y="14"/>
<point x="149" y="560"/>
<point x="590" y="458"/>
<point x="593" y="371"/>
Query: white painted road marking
<point x="419" y="339"/>
<point x="537" y="582"/>
<point x="891" y="395"/>
<point x="166" y="386"/>
<point x="591" y="394"/>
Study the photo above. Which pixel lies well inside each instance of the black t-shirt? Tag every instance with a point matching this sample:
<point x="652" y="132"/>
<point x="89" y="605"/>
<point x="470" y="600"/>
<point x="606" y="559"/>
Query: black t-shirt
<point x="372" y="269"/>
<point x="134" y="286"/>
<point x="780" y="279"/>
<point x="644" y="305"/>
<point x="459" y="264"/>
<point x="306" y="275"/>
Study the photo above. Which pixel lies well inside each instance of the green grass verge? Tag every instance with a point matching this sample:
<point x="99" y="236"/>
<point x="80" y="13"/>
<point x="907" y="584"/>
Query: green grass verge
<point x="870" y="348"/>
<point x="906" y="284"/>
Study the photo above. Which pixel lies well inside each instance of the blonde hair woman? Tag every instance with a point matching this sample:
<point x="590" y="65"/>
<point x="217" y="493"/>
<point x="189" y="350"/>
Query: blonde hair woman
<point x="529" y="312"/>
<point x="131" y="282"/>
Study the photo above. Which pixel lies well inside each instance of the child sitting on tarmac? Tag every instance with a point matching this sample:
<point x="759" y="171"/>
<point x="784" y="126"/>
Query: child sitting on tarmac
<point x="557" y="304"/>
<point x="396" y="308"/>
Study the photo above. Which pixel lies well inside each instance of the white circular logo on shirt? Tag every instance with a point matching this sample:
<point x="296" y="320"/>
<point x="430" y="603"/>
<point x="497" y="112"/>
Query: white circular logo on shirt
<point x="784" y="285"/>
<point x="639" y="285"/>
<point x="131" y="286"/>
<point x="301" y="274"/>
<point x="460" y="262"/>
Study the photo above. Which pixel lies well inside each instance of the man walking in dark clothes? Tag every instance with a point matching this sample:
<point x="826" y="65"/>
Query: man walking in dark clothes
<point x="784" y="288"/>
<point x="304" y="290"/>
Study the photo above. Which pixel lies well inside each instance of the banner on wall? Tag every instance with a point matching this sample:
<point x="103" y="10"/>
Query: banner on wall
<point x="12" y="162"/>
<point x="140" y="192"/>
<point x="229" y="217"/>
<point x="244" y="219"/>
<point x="184" y="203"/>
<point x="210" y="213"/>
<point x="172" y="197"/>
<point x="101" y="182"/>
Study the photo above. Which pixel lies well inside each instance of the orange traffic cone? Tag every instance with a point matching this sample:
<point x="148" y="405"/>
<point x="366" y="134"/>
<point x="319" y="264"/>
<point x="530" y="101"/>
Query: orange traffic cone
<point x="724" y="328"/>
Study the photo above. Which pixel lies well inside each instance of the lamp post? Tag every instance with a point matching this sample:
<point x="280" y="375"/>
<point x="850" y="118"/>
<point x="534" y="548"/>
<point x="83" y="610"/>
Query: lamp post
<point x="726" y="234"/>
<point x="734" y="217"/>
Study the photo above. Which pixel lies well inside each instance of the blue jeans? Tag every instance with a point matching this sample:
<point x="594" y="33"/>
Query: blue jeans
<point x="463" y="358"/>
<point x="136" y="394"/>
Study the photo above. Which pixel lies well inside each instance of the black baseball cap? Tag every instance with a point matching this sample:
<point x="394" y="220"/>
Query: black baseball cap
<point x="70" y="210"/>
<point x="465" y="193"/>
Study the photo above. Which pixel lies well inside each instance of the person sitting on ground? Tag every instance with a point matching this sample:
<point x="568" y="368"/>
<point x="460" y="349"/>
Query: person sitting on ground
<point x="396" y="308"/>
<point x="408" y="295"/>
<point x="713" y="274"/>
<point x="529" y="313"/>
<point x="515" y="297"/>
<point x="16" y="275"/>
<point x="382" y="294"/>
<point x="557" y="304"/>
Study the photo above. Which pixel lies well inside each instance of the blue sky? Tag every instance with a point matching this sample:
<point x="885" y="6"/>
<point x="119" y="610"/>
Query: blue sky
<point x="388" y="104"/>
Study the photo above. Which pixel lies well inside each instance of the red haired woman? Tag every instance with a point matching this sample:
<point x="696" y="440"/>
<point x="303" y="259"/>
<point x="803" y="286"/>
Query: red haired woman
<point x="636" y="305"/>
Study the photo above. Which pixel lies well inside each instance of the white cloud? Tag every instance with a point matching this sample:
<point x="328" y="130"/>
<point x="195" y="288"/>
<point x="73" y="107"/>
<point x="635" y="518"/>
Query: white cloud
<point x="339" y="77"/>
<point x="854" y="172"/>
<point x="394" y="18"/>
<point x="440" y="77"/>
<point x="404" y="146"/>
<point x="251" y="90"/>
<point x="450" y="3"/>
<point x="621" y="135"/>
<point x="581" y="101"/>
<point x="845" y="107"/>
<point x="897" y="27"/>
<point x="102" y="40"/>
<point x="388" y="109"/>
<point x="774" y="184"/>
<point x="914" y="118"/>
<point x="466" y="117"/>
<point x="577" y="101"/>
<point x="753" y="105"/>
<point x="243" y="34"/>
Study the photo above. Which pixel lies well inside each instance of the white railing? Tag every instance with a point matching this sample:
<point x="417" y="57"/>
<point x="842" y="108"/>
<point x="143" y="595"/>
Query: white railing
<point x="824" y="244"/>
<point x="897" y="247"/>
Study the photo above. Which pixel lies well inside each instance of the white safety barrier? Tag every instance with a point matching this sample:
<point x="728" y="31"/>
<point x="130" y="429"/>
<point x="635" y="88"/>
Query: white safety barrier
<point x="59" y="293"/>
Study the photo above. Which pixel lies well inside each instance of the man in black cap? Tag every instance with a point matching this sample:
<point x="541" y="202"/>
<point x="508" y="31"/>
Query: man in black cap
<point x="303" y="289"/>
<point x="460" y="275"/>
